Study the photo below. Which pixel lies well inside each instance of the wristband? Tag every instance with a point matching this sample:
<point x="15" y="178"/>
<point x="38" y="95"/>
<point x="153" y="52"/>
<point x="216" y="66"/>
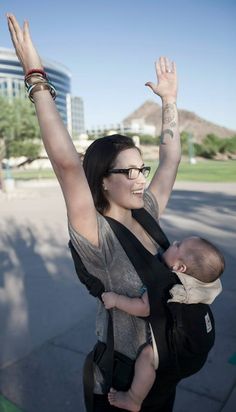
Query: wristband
<point x="34" y="71"/>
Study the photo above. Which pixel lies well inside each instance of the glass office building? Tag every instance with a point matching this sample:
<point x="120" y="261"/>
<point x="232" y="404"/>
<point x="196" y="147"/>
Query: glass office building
<point x="77" y="115"/>
<point x="12" y="80"/>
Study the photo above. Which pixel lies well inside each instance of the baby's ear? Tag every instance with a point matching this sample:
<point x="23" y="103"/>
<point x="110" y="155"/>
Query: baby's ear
<point x="180" y="267"/>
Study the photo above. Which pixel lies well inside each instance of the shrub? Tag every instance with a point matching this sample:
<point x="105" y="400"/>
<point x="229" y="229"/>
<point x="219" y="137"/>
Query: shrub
<point x="146" y="139"/>
<point x="228" y="145"/>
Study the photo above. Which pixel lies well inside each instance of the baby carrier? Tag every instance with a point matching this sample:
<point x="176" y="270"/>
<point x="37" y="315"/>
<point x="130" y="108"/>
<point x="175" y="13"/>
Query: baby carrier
<point x="184" y="333"/>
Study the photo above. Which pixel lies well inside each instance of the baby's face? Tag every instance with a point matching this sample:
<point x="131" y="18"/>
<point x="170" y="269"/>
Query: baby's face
<point x="178" y="251"/>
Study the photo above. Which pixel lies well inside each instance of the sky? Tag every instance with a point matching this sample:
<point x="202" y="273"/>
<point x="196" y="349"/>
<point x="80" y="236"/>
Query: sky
<point x="110" y="48"/>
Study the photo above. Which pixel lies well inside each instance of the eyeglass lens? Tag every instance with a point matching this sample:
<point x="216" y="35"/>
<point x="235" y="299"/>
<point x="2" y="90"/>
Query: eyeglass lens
<point x="134" y="173"/>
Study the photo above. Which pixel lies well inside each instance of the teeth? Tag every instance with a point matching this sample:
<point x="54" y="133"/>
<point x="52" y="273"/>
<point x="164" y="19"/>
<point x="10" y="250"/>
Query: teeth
<point x="137" y="192"/>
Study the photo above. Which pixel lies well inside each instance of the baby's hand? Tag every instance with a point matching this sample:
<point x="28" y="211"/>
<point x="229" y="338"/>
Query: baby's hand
<point x="109" y="299"/>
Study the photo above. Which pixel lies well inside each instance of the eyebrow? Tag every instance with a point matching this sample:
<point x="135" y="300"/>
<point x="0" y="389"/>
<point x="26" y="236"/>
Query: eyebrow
<point x="135" y="166"/>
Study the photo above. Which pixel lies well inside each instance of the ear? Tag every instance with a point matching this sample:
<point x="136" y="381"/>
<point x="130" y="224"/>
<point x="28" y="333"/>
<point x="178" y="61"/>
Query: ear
<point x="179" y="267"/>
<point x="104" y="186"/>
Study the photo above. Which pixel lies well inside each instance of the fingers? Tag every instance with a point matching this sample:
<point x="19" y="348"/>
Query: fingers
<point x="173" y="67"/>
<point x="12" y="31"/>
<point x="103" y="296"/>
<point x="158" y="68"/>
<point x="164" y="65"/>
<point x="15" y="27"/>
<point x="26" y="31"/>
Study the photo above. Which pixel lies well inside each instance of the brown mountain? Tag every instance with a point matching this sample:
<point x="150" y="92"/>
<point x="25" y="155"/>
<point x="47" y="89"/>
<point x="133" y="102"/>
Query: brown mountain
<point x="149" y="114"/>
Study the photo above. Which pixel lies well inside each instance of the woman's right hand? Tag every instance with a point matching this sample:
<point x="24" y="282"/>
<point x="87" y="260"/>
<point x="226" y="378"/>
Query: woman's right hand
<point x="24" y="47"/>
<point x="67" y="166"/>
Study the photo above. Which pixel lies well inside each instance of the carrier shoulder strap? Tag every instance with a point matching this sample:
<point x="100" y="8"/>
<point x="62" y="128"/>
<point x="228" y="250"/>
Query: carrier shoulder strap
<point x="93" y="284"/>
<point x="151" y="226"/>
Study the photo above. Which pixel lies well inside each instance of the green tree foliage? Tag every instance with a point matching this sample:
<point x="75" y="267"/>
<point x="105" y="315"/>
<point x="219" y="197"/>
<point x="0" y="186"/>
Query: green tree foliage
<point x="213" y="144"/>
<point x="184" y="142"/>
<point x="25" y="147"/>
<point x="19" y="131"/>
<point x="146" y="139"/>
<point x="228" y="145"/>
<point x="209" y="147"/>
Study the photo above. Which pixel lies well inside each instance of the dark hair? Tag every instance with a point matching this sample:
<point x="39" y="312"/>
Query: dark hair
<point x="205" y="262"/>
<point x="99" y="158"/>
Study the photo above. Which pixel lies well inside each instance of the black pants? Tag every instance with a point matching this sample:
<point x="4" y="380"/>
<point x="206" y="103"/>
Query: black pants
<point x="101" y="404"/>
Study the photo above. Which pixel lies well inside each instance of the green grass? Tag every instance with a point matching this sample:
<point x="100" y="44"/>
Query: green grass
<point x="33" y="174"/>
<point x="202" y="171"/>
<point x="205" y="171"/>
<point x="7" y="406"/>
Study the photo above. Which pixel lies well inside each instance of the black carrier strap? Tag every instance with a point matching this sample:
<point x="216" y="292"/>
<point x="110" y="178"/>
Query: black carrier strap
<point x="151" y="226"/>
<point x="93" y="284"/>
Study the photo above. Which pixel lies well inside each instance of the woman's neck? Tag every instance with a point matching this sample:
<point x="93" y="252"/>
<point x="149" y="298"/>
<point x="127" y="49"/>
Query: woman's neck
<point x="123" y="216"/>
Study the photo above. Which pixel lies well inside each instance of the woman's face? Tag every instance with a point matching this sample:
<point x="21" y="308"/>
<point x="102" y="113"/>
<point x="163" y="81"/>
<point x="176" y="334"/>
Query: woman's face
<point x="121" y="191"/>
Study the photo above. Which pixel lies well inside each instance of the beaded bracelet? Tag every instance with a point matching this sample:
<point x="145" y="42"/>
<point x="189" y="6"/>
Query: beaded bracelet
<point x="41" y="86"/>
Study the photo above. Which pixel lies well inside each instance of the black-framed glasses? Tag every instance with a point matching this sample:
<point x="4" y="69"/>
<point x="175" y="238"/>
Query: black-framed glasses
<point x="132" y="172"/>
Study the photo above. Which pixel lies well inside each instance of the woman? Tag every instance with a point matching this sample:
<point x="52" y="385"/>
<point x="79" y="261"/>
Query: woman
<point x="111" y="182"/>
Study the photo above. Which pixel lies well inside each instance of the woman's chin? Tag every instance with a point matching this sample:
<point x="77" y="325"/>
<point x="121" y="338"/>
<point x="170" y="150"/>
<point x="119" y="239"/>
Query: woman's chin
<point x="138" y="203"/>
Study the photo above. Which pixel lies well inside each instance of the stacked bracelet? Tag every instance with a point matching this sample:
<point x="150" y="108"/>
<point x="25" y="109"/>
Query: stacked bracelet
<point x="41" y="83"/>
<point x="35" y="87"/>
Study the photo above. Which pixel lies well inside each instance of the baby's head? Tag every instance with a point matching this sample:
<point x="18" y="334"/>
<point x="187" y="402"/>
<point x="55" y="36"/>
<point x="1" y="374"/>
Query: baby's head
<point x="196" y="257"/>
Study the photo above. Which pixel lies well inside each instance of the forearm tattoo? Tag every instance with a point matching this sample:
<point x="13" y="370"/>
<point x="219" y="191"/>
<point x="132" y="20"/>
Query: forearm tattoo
<point x="164" y="133"/>
<point x="169" y="121"/>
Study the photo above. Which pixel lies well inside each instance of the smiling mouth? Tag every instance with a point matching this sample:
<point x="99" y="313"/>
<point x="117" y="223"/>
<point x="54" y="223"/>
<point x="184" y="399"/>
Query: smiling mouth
<point x="137" y="192"/>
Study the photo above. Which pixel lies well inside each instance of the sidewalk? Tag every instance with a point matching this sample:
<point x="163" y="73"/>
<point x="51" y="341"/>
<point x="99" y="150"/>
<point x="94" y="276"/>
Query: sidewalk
<point x="47" y="319"/>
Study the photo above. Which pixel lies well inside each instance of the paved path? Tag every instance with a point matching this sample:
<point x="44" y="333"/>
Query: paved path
<point x="47" y="318"/>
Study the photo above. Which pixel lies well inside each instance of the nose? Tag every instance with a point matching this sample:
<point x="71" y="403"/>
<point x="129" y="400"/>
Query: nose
<point x="141" y="178"/>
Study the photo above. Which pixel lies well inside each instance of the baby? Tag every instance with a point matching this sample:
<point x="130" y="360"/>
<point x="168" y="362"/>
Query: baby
<point x="198" y="264"/>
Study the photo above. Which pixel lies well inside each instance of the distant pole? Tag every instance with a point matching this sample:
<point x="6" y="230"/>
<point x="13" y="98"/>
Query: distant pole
<point x="9" y="183"/>
<point x="192" y="159"/>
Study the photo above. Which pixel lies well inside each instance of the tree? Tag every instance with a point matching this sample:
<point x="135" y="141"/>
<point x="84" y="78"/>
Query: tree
<point x="184" y="142"/>
<point x="23" y="139"/>
<point x="228" y="145"/>
<point x="5" y="118"/>
<point x="19" y="131"/>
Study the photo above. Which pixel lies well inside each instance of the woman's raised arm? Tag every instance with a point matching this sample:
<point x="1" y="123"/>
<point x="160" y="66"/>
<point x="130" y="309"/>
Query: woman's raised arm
<point x="170" y="149"/>
<point x="58" y="144"/>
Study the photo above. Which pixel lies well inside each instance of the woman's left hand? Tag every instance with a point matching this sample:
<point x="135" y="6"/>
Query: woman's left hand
<point x="167" y="86"/>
